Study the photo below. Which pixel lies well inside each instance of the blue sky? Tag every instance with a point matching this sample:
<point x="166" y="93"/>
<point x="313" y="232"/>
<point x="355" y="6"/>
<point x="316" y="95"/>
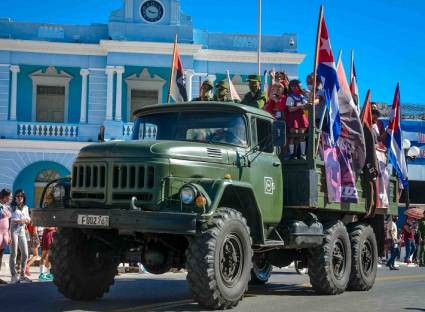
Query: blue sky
<point x="387" y="35"/>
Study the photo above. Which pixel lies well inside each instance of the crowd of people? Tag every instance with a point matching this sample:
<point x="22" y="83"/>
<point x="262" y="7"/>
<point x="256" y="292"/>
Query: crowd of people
<point x="23" y="239"/>
<point x="411" y="236"/>
<point x="286" y="100"/>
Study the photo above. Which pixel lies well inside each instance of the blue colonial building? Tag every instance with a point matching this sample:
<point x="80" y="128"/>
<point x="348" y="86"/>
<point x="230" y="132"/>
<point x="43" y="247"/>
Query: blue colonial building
<point x="59" y="84"/>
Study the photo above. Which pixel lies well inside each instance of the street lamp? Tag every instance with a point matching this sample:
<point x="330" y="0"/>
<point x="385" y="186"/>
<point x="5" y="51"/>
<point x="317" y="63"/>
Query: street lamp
<point x="411" y="153"/>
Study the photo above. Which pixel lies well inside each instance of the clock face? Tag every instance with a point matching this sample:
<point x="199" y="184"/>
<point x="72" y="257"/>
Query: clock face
<point x="152" y="11"/>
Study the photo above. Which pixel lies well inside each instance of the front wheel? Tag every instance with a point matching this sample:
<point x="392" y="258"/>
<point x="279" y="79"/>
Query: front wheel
<point x="83" y="269"/>
<point x="219" y="261"/>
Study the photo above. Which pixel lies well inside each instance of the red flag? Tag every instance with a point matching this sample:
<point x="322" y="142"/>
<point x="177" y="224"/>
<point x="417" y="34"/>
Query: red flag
<point x="177" y="82"/>
<point x="366" y="115"/>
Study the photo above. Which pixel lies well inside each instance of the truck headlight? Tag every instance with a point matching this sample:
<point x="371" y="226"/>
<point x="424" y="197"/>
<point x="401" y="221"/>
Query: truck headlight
<point x="188" y="194"/>
<point x="58" y="192"/>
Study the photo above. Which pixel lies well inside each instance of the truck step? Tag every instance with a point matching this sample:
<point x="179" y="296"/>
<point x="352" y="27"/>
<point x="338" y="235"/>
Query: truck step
<point x="270" y="244"/>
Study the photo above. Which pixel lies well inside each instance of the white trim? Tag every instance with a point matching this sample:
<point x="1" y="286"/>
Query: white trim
<point x="143" y="81"/>
<point x="51" y="77"/>
<point x="138" y="47"/>
<point x="110" y="71"/>
<point x="164" y="13"/>
<point x="35" y="46"/>
<point x="4" y="65"/>
<point x="118" y="93"/>
<point x="249" y="57"/>
<point x="54" y="147"/>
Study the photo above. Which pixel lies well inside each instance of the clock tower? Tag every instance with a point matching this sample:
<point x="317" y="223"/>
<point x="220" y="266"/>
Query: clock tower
<point x="150" y="20"/>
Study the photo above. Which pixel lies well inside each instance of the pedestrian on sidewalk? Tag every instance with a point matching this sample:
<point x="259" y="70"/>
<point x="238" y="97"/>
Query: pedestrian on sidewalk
<point x="395" y="251"/>
<point x="20" y="218"/>
<point x="421" y="232"/>
<point x="33" y="246"/>
<point x="46" y="244"/>
<point x="409" y="240"/>
<point x="5" y="214"/>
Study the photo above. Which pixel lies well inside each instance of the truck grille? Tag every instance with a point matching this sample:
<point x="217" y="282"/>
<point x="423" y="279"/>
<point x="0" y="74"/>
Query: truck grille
<point x="130" y="180"/>
<point x="90" y="182"/>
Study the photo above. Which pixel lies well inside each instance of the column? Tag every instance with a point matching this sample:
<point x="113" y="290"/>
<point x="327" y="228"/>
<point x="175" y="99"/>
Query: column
<point x="110" y="70"/>
<point x="118" y="103"/>
<point x="83" y="115"/>
<point x="14" y="91"/>
<point x="189" y="78"/>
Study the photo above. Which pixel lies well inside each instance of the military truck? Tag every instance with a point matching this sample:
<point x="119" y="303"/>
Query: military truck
<point x="201" y="186"/>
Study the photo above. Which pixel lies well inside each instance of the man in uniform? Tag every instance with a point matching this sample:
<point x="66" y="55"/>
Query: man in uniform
<point x="222" y="92"/>
<point x="255" y="97"/>
<point x="205" y="95"/>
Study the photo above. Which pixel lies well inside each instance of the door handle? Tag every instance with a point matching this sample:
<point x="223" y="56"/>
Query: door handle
<point x="276" y="164"/>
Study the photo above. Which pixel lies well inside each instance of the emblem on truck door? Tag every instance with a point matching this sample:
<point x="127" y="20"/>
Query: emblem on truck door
<point x="268" y="185"/>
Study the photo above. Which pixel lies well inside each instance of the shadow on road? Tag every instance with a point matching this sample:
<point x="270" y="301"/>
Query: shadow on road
<point x="415" y="309"/>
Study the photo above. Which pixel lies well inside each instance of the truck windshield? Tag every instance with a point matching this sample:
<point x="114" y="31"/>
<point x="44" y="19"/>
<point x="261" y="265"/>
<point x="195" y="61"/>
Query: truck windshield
<point x="210" y="127"/>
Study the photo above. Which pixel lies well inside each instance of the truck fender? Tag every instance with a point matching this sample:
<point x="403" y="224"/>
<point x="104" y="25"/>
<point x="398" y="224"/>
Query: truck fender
<point x="240" y="196"/>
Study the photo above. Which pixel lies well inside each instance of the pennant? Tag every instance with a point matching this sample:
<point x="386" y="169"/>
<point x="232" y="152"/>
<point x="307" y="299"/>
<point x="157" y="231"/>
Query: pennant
<point x="354" y="89"/>
<point x="178" y="82"/>
<point x="394" y="140"/>
<point x="233" y="93"/>
<point x="326" y="70"/>
<point x="352" y="129"/>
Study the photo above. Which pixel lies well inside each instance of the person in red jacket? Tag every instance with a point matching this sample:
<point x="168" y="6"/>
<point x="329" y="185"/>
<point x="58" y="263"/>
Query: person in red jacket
<point x="276" y="105"/>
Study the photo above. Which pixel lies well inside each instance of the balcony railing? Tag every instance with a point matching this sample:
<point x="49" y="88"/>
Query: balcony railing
<point x="47" y="130"/>
<point x="148" y="132"/>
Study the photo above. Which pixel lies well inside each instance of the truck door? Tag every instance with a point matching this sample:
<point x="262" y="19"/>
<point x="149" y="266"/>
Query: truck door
<point x="266" y="171"/>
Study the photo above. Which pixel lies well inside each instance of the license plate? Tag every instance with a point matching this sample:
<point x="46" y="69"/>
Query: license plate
<point x="92" y="220"/>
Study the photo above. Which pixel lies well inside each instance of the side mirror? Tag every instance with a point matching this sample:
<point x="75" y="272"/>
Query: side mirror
<point x="101" y="134"/>
<point x="279" y="133"/>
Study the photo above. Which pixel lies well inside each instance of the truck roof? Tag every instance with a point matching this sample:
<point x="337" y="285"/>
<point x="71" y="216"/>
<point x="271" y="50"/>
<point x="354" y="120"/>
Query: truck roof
<point x="222" y="106"/>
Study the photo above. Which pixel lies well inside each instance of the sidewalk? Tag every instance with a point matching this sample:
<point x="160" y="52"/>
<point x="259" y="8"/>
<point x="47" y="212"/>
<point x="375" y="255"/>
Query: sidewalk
<point x="5" y="271"/>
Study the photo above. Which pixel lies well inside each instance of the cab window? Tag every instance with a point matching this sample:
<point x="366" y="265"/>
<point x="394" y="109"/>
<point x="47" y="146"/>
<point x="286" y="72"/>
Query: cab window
<point x="264" y="137"/>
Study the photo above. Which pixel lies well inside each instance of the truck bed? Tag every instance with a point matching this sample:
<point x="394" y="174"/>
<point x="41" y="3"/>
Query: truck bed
<point x="304" y="186"/>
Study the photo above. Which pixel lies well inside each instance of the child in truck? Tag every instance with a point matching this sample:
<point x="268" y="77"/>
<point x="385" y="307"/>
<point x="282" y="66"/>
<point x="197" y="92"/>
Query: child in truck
<point x="297" y="121"/>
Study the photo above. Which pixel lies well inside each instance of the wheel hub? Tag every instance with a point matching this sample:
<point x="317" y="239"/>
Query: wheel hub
<point x="367" y="258"/>
<point x="339" y="259"/>
<point x="231" y="259"/>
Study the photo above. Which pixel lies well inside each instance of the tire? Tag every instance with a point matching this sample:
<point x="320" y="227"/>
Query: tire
<point x="261" y="270"/>
<point x="82" y="269"/>
<point x="364" y="257"/>
<point x="213" y="283"/>
<point x="329" y="266"/>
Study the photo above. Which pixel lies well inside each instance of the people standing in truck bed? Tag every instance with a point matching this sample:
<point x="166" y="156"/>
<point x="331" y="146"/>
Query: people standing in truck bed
<point x="205" y="94"/>
<point x="276" y="105"/>
<point x="255" y="97"/>
<point x="297" y="121"/>
<point x="222" y="92"/>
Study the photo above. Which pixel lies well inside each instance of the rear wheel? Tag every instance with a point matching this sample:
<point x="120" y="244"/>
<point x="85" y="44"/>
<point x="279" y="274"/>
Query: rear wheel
<point x="261" y="269"/>
<point x="329" y="266"/>
<point x="82" y="268"/>
<point x="365" y="257"/>
<point x="219" y="261"/>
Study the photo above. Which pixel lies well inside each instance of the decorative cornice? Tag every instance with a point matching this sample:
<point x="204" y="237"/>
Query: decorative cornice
<point x="50" y="47"/>
<point x="108" y="46"/>
<point x="249" y="57"/>
<point x="51" y="71"/>
<point x="145" y="75"/>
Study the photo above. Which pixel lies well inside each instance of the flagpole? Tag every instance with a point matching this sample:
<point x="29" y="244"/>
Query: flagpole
<point x="352" y="67"/>
<point x="259" y="39"/>
<point x="173" y="63"/>
<point x="312" y="115"/>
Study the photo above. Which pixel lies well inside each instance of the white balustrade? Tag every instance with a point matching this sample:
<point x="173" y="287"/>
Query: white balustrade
<point x="128" y="130"/>
<point x="47" y="130"/>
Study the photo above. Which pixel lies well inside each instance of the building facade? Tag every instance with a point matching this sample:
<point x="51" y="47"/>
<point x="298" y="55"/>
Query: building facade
<point x="59" y="84"/>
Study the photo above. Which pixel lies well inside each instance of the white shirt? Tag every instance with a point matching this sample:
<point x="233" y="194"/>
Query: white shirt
<point x="392" y="229"/>
<point x="19" y="215"/>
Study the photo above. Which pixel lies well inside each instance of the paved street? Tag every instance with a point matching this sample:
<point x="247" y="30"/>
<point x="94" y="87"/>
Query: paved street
<point x="403" y="290"/>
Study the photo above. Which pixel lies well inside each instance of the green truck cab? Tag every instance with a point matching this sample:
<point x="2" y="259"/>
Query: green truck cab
<point x="201" y="186"/>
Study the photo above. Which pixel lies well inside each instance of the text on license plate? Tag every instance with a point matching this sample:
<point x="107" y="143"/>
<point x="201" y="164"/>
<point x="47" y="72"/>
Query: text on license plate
<point x="93" y="220"/>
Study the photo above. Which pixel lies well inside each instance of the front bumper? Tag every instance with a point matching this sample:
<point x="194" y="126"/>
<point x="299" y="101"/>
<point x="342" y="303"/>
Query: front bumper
<point x="128" y="220"/>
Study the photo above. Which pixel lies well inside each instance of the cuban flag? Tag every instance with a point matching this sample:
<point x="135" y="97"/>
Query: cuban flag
<point x="326" y="70"/>
<point x="394" y="140"/>
<point x="178" y="82"/>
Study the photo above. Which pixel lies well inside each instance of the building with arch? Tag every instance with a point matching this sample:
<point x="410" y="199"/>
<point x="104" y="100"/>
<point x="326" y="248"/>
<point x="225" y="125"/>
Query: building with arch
<point x="59" y="84"/>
